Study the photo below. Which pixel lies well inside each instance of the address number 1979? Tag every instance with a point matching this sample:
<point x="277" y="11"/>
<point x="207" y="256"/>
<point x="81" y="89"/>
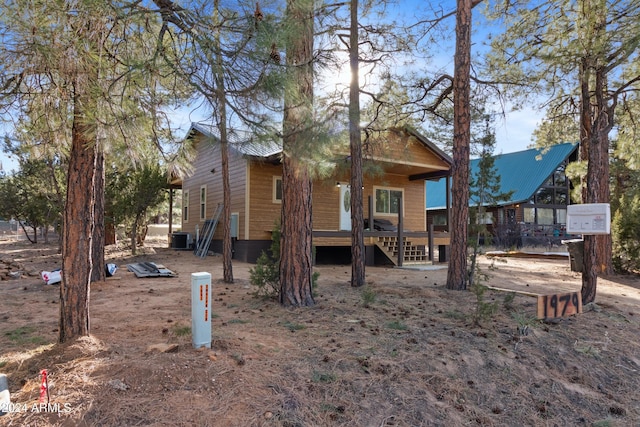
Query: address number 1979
<point x="559" y="305"/>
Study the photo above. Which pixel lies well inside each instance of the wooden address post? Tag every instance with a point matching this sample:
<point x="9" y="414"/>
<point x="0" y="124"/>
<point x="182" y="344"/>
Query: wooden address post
<point x="559" y="305"/>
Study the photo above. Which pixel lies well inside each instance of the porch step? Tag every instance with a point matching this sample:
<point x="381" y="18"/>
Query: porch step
<point x="412" y="254"/>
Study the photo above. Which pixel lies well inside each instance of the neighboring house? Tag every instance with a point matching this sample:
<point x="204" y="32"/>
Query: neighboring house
<point x="406" y="158"/>
<point x="536" y="212"/>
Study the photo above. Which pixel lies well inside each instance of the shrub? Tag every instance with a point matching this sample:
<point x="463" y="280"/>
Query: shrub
<point x="265" y="276"/>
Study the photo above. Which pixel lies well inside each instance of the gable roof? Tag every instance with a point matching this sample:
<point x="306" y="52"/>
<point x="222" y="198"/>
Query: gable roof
<point x="247" y="144"/>
<point x="426" y="143"/>
<point x="522" y="172"/>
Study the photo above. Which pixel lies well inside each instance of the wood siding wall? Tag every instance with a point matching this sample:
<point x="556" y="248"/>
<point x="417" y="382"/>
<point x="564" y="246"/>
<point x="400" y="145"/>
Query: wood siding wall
<point x="252" y="189"/>
<point x="208" y="159"/>
<point x="263" y="212"/>
<point x="406" y="149"/>
<point x="413" y="200"/>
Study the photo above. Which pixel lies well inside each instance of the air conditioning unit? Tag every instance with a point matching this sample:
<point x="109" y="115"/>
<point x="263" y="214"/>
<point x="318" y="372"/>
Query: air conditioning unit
<point x="181" y="240"/>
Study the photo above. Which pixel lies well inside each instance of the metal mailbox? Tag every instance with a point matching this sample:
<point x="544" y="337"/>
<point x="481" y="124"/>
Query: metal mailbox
<point x="589" y="218"/>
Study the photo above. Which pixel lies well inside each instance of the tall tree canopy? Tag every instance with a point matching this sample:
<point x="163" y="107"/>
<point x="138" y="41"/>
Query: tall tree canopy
<point x="233" y="64"/>
<point x="86" y="74"/>
<point x="578" y="55"/>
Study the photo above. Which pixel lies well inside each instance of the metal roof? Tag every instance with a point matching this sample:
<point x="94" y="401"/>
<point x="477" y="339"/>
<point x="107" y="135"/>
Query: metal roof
<point x="522" y="172"/>
<point x="242" y="141"/>
<point x="246" y="143"/>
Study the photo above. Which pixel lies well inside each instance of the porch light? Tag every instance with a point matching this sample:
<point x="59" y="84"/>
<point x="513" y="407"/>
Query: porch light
<point x="338" y="184"/>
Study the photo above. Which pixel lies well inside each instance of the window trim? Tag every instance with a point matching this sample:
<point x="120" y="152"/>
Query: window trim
<point x="185" y="206"/>
<point x="235" y="225"/>
<point x="202" y="202"/>
<point x="439" y="220"/>
<point x="274" y="190"/>
<point x="375" y="200"/>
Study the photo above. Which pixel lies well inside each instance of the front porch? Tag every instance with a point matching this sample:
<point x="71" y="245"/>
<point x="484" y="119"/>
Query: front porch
<point x="381" y="247"/>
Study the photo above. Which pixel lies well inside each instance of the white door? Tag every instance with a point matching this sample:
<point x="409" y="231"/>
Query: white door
<point x="345" y="207"/>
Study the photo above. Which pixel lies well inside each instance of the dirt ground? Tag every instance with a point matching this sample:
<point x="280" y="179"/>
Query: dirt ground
<point x="404" y="351"/>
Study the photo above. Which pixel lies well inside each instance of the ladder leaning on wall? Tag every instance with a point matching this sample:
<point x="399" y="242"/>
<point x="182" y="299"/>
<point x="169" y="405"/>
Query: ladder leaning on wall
<point x="202" y="246"/>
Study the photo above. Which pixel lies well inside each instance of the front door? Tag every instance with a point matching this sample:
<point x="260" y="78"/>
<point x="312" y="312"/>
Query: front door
<point x="345" y="207"/>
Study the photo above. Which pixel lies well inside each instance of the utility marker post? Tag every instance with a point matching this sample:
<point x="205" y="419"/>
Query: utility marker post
<point x="201" y="309"/>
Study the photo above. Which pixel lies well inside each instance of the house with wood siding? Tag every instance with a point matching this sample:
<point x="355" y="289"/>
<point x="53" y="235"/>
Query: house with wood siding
<point x="406" y="158"/>
<point x="536" y="211"/>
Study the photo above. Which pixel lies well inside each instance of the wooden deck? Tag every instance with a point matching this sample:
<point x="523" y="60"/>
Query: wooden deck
<point x="343" y="238"/>
<point x="419" y="246"/>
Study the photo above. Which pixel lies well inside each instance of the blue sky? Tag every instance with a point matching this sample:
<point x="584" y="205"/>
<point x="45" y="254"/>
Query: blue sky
<point x="6" y="162"/>
<point x="513" y="132"/>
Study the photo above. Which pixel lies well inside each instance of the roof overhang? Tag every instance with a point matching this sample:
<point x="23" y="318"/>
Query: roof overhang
<point x="430" y="176"/>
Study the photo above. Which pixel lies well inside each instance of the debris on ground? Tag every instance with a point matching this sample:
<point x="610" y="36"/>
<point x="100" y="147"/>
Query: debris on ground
<point x="149" y="269"/>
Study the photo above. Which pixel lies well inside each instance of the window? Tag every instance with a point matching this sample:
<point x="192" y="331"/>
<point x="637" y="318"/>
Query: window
<point x="203" y="203"/>
<point x="544" y="196"/>
<point x="561" y="216"/>
<point x="547" y="206"/>
<point x="561" y="197"/>
<point x="485" y="218"/>
<point x="529" y="215"/>
<point x="185" y="206"/>
<point x="235" y="221"/>
<point x="560" y="179"/>
<point x="440" y="219"/>
<point x="277" y="189"/>
<point x="545" y="216"/>
<point x="387" y="200"/>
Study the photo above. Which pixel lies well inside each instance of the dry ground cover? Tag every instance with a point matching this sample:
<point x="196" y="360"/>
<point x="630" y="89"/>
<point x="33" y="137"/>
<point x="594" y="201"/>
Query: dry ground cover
<point x="402" y="352"/>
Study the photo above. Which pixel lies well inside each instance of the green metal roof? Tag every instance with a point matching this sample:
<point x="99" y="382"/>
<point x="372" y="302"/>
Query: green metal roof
<point x="522" y="172"/>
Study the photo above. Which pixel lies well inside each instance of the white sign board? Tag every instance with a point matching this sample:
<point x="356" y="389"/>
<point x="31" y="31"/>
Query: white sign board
<point x="589" y="218"/>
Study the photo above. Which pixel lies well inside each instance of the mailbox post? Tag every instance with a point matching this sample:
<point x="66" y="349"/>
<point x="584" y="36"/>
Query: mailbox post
<point x="201" y="309"/>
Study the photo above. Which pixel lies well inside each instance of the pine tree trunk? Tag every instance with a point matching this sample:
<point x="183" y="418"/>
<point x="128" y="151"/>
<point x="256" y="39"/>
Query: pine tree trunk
<point x="296" y="263"/>
<point x="296" y="238"/>
<point x="227" y="249"/>
<point x="357" y="210"/>
<point x="98" y="273"/>
<point x="597" y="249"/>
<point x="79" y="210"/>
<point x="596" y="118"/>
<point x="134" y="237"/>
<point x="457" y="273"/>
<point x="109" y="233"/>
<point x="600" y="158"/>
<point x="589" y="261"/>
